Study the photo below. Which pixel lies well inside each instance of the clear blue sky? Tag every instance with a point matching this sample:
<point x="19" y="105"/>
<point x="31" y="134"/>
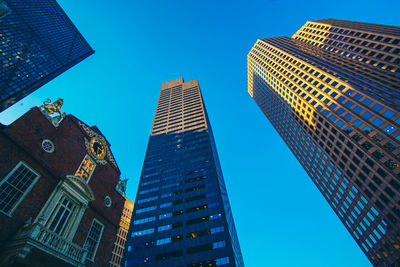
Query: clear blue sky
<point x="280" y="216"/>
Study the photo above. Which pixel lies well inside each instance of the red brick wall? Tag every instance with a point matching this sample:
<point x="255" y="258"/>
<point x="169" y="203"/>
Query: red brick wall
<point x="10" y="155"/>
<point x="22" y="141"/>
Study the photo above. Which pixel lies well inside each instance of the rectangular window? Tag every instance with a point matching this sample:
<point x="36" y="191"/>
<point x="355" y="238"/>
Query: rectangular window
<point x="93" y="238"/>
<point x="146" y="209"/>
<point x="144" y="220"/>
<point x="61" y="216"/>
<point x="142" y="192"/>
<point x="222" y="261"/>
<point x="164" y="216"/>
<point x="215" y="216"/>
<point x="165" y="227"/>
<point x="143" y="232"/>
<point x="86" y="169"/>
<point x="165" y="205"/>
<point x="15" y="186"/>
<point x="163" y="241"/>
<point x="144" y="200"/>
<point x="217" y="229"/>
<point x="219" y="244"/>
<point x="166" y="195"/>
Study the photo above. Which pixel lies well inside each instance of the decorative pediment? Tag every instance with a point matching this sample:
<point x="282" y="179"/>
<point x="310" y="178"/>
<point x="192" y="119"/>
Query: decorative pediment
<point x="78" y="188"/>
<point x="91" y="134"/>
<point x="98" y="161"/>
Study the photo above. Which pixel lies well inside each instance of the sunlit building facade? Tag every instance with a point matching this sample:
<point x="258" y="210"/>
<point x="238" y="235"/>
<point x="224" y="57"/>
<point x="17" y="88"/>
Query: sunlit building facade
<point x="332" y="93"/>
<point x="182" y="215"/>
<point x="38" y="43"/>
<point x="122" y="234"/>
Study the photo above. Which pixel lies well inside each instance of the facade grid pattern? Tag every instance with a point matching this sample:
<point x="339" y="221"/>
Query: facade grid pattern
<point x="182" y="215"/>
<point x="38" y="43"/>
<point x="122" y="234"/>
<point x="338" y="113"/>
<point x="372" y="45"/>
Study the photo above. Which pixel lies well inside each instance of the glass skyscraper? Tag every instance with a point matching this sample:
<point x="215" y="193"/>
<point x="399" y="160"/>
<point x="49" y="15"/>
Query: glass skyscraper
<point x="182" y="215"/>
<point x="332" y="93"/>
<point x="38" y="43"/>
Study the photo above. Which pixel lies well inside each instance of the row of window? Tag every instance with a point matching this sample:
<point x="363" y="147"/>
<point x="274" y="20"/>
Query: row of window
<point x="188" y="210"/>
<point x="355" y="33"/>
<point x="164" y="256"/>
<point x="188" y="189"/>
<point x="179" y="127"/>
<point x="179" y="117"/>
<point x="352" y="71"/>
<point x="294" y="71"/>
<point x="193" y="154"/>
<point x="389" y="129"/>
<point x="179" y="113"/>
<point x="327" y="184"/>
<point x="175" y="105"/>
<point x="174" y="100"/>
<point x="379" y="54"/>
<point x="179" y="122"/>
<point x="177" y="91"/>
<point x="176" y="238"/>
<point x="176" y="177"/>
<point x="337" y="191"/>
<point x="158" y="153"/>
<point x="179" y="224"/>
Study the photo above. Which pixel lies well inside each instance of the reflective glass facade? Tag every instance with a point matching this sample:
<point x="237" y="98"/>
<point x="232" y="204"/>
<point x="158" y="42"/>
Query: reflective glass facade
<point x="38" y="43"/>
<point x="182" y="215"/>
<point x="337" y="109"/>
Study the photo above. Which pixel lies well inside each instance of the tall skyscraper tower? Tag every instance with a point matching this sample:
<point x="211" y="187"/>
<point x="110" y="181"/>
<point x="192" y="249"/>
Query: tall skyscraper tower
<point x="38" y="43"/>
<point x="332" y="93"/>
<point x="182" y="215"/>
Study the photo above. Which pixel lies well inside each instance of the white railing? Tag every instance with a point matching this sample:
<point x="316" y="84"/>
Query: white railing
<point x="53" y="243"/>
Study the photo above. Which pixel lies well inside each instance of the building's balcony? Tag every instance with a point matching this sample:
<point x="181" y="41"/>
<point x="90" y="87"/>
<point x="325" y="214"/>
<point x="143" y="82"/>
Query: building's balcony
<point x="35" y="245"/>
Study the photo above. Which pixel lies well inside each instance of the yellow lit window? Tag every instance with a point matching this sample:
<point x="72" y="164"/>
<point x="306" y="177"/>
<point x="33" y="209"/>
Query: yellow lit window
<point x="86" y="169"/>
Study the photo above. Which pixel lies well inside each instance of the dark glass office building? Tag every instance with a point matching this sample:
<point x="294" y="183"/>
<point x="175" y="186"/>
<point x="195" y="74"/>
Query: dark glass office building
<point x="38" y="43"/>
<point x="182" y="215"/>
<point x="332" y="93"/>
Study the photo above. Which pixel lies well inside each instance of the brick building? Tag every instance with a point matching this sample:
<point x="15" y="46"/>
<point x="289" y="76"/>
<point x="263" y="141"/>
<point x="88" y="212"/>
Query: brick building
<point x="58" y="202"/>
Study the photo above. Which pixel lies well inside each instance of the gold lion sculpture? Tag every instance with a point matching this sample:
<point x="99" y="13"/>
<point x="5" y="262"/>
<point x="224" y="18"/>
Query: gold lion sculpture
<point x="53" y="108"/>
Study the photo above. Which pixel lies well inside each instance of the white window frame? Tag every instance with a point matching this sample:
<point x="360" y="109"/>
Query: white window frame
<point x="68" y="187"/>
<point x="72" y="219"/>
<point x="98" y="242"/>
<point x="16" y="204"/>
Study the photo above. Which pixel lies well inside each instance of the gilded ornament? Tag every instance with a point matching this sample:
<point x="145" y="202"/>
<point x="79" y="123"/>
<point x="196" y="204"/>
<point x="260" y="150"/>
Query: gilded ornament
<point x="50" y="109"/>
